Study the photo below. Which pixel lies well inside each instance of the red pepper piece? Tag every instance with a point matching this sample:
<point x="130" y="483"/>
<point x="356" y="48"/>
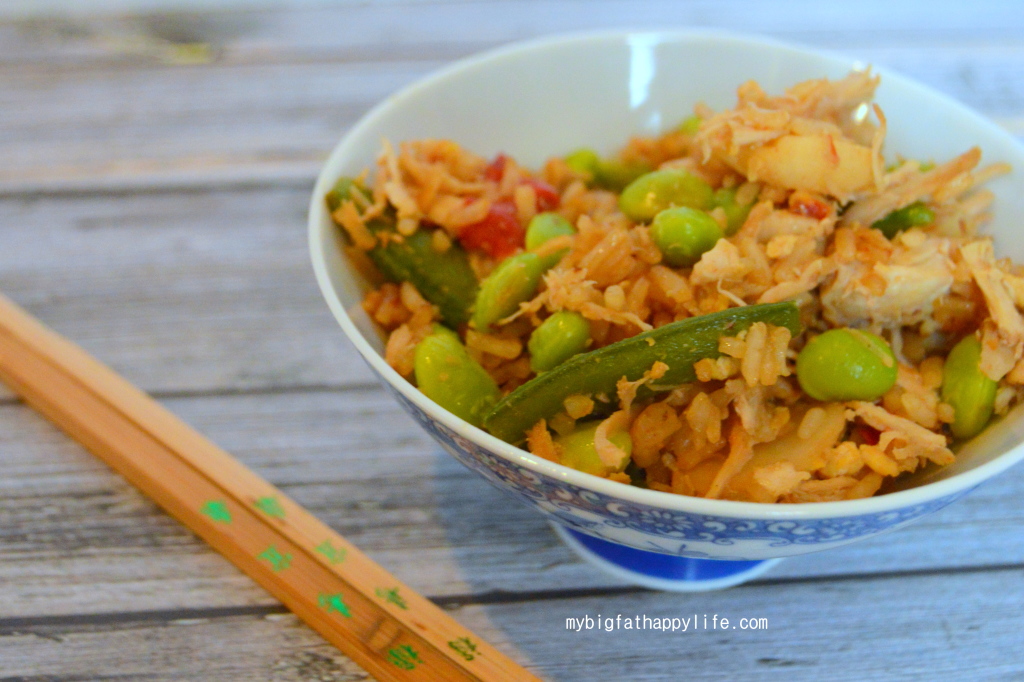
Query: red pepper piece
<point x="868" y="434"/>
<point x="547" y="196"/>
<point x="495" y="170"/>
<point x="499" y="234"/>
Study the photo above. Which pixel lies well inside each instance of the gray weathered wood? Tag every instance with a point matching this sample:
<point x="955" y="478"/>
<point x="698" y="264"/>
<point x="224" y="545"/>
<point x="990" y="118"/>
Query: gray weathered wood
<point x="283" y="87"/>
<point x="927" y="627"/>
<point x="390" y="490"/>
<point x="186" y="647"/>
<point x="383" y="31"/>
<point x="180" y="292"/>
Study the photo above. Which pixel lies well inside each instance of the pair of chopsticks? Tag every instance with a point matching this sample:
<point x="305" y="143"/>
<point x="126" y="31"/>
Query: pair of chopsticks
<point x="384" y="626"/>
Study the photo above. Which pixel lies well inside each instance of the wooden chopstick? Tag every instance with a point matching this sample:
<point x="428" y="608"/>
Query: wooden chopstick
<point x="384" y="626"/>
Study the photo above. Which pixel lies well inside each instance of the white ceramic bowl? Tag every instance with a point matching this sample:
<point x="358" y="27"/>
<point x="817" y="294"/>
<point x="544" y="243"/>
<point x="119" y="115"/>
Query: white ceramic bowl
<point x="548" y="97"/>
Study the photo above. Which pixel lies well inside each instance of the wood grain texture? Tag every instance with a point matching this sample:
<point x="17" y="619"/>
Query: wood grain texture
<point x="278" y="89"/>
<point x="393" y="493"/>
<point x="180" y="292"/>
<point x="934" y="627"/>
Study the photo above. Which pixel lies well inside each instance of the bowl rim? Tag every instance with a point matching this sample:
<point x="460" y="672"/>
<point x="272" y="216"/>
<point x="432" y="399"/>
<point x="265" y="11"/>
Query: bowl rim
<point x="922" y="494"/>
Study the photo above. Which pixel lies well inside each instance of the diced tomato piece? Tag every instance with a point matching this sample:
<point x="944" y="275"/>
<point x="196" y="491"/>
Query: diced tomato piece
<point x="495" y="170"/>
<point x="547" y="196"/>
<point x="499" y="234"/>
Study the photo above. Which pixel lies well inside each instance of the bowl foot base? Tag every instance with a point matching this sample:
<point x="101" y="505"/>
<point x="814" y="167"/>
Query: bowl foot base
<point x="661" y="571"/>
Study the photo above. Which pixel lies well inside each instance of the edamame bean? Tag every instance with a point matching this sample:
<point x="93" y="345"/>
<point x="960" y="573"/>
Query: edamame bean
<point x="579" y="452"/>
<point x="448" y="375"/>
<point x="584" y="161"/>
<point x="683" y="234"/>
<point x="544" y="227"/>
<point x="653" y="192"/>
<point x="515" y="280"/>
<point x="677" y="344"/>
<point x="735" y="213"/>
<point x="557" y="339"/>
<point x="615" y="174"/>
<point x="970" y="392"/>
<point x="690" y="125"/>
<point x="441" y="329"/>
<point x="916" y="214"/>
<point x="846" y="364"/>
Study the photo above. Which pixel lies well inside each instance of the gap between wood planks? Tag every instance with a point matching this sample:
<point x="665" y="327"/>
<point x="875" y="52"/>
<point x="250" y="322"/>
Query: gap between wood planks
<point x="56" y="624"/>
<point x="6" y="400"/>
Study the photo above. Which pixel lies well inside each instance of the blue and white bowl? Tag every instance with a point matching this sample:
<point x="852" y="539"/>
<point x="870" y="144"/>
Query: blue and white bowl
<point x="548" y="97"/>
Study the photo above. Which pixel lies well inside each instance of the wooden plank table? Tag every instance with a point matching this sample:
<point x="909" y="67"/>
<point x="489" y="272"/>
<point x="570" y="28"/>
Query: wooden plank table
<point x="154" y="175"/>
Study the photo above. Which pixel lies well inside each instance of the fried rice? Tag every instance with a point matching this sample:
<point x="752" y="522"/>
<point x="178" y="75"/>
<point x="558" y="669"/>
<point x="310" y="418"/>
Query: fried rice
<point x="810" y="162"/>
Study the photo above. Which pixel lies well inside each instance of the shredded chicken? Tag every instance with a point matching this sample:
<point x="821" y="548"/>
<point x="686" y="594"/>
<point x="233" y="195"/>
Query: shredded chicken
<point x="896" y="289"/>
<point x="909" y="439"/>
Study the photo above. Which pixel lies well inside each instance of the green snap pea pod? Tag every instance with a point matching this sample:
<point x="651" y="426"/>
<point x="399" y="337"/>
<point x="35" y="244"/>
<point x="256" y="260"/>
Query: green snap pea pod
<point x="916" y="214"/>
<point x="448" y="375"/>
<point x="846" y="364"/>
<point x="544" y="227"/>
<point x="735" y="213"/>
<point x="678" y="344"/>
<point x="683" y="234"/>
<point x="557" y="339"/>
<point x="579" y="452"/>
<point x="444" y="279"/>
<point x="515" y="280"/>
<point x="342" y="190"/>
<point x="970" y="392"/>
<point x="653" y="192"/>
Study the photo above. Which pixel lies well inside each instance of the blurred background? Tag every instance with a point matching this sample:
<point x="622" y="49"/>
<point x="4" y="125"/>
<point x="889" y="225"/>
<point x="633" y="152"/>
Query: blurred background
<point x="263" y="90"/>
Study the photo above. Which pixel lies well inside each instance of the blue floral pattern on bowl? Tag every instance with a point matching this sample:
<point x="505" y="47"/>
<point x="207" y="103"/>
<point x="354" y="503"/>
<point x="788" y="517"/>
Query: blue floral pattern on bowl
<point x="673" y="532"/>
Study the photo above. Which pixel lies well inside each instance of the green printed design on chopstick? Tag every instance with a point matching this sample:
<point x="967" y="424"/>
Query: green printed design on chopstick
<point x="465" y="647"/>
<point x="335" y="603"/>
<point x="404" y="657"/>
<point x="335" y="555"/>
<point x="271" y="507"/>
<point x="217" y="510"/>
<point x="392" y="597"/>
<point x="278" y="561"/>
